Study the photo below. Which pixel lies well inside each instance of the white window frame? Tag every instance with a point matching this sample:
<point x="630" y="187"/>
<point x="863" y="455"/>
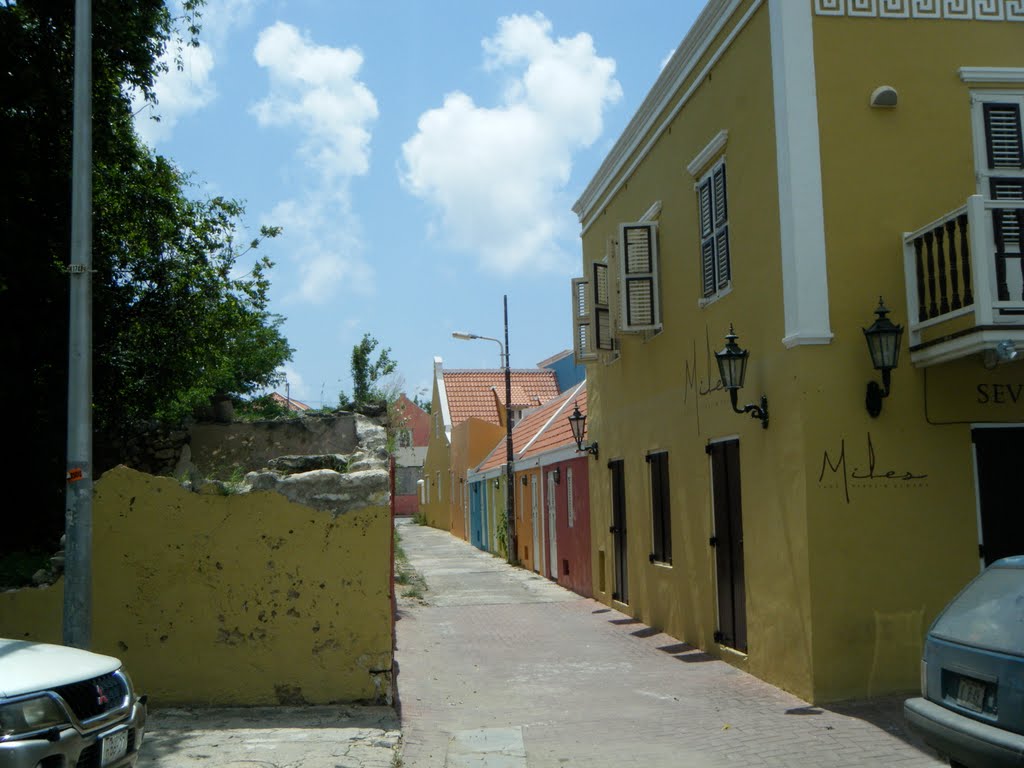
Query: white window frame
<point x="984" y="174"/>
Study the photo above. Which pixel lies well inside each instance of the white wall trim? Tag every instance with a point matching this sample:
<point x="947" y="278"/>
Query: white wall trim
<point x="688" y="55"/>
<point x="805" y="340"/>
<point x="652" y="213"/>
<point x="442" y="396"/>
<point x="992" y="74"/>
<point x="801" y="210"/>
<point x="706" y="155"/>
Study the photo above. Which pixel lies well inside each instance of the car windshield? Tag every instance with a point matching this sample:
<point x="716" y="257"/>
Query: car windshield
<point x="989" y="613"/>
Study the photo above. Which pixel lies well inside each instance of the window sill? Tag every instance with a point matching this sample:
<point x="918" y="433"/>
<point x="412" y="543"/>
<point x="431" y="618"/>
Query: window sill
<point x="702" y="303"/>
<point x="662" y="564"/>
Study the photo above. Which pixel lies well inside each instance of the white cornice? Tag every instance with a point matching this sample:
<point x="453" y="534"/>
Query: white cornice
<point x="707" y="154"/>
<point x="679" y="68"/>
<point x="992" y="74"/>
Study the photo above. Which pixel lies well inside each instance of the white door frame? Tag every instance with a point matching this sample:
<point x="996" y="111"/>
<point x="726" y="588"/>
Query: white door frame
<point x="552" y="528"/>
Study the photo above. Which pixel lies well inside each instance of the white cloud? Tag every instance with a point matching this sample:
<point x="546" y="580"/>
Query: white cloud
<point x="319" y="235"/>
<point x="187" y="85"/>
<point x="495" y="173"/>
<point x="316" y="88"/>
<point x="179" y="92"/>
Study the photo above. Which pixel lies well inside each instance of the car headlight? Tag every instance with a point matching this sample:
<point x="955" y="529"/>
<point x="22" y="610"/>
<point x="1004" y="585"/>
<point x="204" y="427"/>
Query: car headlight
<point x="30" y="716"/>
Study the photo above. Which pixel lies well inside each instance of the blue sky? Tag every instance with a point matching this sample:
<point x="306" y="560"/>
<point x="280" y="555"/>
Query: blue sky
<point x="422" y="158"/>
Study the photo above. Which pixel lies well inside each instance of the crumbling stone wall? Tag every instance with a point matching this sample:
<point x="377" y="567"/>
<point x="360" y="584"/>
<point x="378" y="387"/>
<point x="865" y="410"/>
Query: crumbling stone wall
<point x="217" y="449"/>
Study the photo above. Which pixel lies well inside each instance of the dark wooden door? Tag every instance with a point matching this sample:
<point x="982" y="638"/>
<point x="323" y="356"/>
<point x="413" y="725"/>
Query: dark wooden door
<point x="620" y="583"/>
<point x="728" y="544"/>
<point x="998" y="454"/>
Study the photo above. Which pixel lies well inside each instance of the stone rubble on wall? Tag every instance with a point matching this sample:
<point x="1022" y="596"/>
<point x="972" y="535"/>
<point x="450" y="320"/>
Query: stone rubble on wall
<point x="153" y="449"/>
<point x="336" y="483"/>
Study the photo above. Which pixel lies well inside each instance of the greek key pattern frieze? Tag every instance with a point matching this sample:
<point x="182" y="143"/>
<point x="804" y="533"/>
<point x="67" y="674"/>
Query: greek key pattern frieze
<point x="956" y="10"/>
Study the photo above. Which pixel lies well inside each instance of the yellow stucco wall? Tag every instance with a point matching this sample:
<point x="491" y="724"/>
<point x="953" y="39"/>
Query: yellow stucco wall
<point x="887" y="552"/>
<point x="661" y="394"/>
<point x="436" y="469"/>
<point x="230" y="600"/>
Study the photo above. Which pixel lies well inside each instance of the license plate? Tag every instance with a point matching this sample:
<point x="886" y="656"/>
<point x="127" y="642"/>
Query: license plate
<point x="114" y="746"/>
<point x="970" y="694"/>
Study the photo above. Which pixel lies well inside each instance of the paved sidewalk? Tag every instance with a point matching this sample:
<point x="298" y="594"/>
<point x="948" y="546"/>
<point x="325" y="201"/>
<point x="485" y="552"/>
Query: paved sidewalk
<point x="272" y="737"/>
<point x="500" y="668"/>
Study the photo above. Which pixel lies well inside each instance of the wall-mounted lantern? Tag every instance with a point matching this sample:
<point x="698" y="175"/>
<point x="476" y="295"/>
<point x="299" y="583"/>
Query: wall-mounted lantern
<point x="524" y="480"/>
<point x="732" y="367"/>
<point x="578" y="424"/>
<point x="556" y="473"/>
<point x="883" y="338"/>
<point x="497" y="482"/>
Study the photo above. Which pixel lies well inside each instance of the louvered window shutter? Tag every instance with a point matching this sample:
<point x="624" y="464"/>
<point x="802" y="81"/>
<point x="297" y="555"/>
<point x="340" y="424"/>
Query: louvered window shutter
<point x="603" y="335"/>
<point x="716" y="264"/>
<point x="583" y="331"/>
<point x="638" y="268"/>
<point x="1004" y="150"/>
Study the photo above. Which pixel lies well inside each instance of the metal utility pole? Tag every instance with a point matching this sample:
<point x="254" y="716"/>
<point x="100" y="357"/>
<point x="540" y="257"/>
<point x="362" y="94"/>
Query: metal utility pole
<point x="510" y="498"/>
<point x="78" y="496"/>
<point x="510" y="503"/>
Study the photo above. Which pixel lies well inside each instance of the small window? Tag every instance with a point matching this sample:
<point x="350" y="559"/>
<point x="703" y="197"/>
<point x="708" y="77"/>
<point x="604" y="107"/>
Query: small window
<point x="660" y="508"/>
<point x="713" y="209"/>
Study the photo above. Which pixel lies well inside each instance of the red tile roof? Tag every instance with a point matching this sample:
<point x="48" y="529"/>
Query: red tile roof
<point x="540" y="431"/>
<point x="558" y="433"/>
<point x="481" y="393"/>
<point x="290" y="403"/>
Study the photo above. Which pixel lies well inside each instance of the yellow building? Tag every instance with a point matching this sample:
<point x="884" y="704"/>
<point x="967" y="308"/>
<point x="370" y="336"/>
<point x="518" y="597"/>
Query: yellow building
<point x="779" y="178"/>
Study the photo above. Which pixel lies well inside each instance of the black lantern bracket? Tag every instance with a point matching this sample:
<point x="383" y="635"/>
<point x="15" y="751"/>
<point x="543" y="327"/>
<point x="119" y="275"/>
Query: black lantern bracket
<point x="756" y="411"/>
<point x="883" y="338"/>
<point x="732" y="368"/>
<point x="578" y="424"/>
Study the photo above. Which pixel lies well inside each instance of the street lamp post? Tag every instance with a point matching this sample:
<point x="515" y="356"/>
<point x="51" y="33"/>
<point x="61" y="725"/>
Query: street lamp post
<point x="512" y="544"/>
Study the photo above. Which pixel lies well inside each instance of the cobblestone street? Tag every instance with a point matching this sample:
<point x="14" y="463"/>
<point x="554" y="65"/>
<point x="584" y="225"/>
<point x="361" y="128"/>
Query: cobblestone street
<point x="500" y="667"/>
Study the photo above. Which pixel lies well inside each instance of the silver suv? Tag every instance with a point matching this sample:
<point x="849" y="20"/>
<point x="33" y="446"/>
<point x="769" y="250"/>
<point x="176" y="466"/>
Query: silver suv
<point x="66" y="708"/>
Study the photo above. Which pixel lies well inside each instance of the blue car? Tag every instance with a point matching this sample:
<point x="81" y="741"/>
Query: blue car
<point x="971" y="707"/>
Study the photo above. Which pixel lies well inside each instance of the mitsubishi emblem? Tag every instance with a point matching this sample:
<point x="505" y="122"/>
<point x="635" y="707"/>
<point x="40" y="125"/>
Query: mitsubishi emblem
<point x="101" y="698"/>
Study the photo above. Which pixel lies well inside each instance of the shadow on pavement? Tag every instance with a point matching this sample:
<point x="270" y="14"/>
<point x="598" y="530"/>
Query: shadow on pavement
<point x="884" y="712"/>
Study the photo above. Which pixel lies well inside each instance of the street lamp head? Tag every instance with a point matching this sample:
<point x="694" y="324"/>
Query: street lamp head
<point x="464" y="336"/>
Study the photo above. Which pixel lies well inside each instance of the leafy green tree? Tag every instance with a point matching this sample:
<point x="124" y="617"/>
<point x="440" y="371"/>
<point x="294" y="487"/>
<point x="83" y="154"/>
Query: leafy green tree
<point x="173" y="321"/>
<point x="367" y="374"/>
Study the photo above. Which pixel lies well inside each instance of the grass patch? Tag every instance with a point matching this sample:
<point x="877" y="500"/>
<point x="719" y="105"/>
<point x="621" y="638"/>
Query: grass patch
<point x="412" y="581"/>
<point x="420" y="518"/>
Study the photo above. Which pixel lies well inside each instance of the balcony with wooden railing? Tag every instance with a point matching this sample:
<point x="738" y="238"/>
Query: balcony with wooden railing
<point x="965" y="281"/>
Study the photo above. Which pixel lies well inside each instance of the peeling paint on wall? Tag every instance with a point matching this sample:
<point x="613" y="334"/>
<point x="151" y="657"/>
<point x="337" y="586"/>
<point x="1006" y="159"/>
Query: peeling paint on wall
<point x="185" y="595"/>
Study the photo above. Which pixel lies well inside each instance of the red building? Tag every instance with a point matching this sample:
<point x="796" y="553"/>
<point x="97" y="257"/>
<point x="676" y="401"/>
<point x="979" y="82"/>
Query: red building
<point x="552" y="492"/>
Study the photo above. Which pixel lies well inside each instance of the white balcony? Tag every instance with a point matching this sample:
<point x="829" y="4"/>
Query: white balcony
<point x="965" y="282"/>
